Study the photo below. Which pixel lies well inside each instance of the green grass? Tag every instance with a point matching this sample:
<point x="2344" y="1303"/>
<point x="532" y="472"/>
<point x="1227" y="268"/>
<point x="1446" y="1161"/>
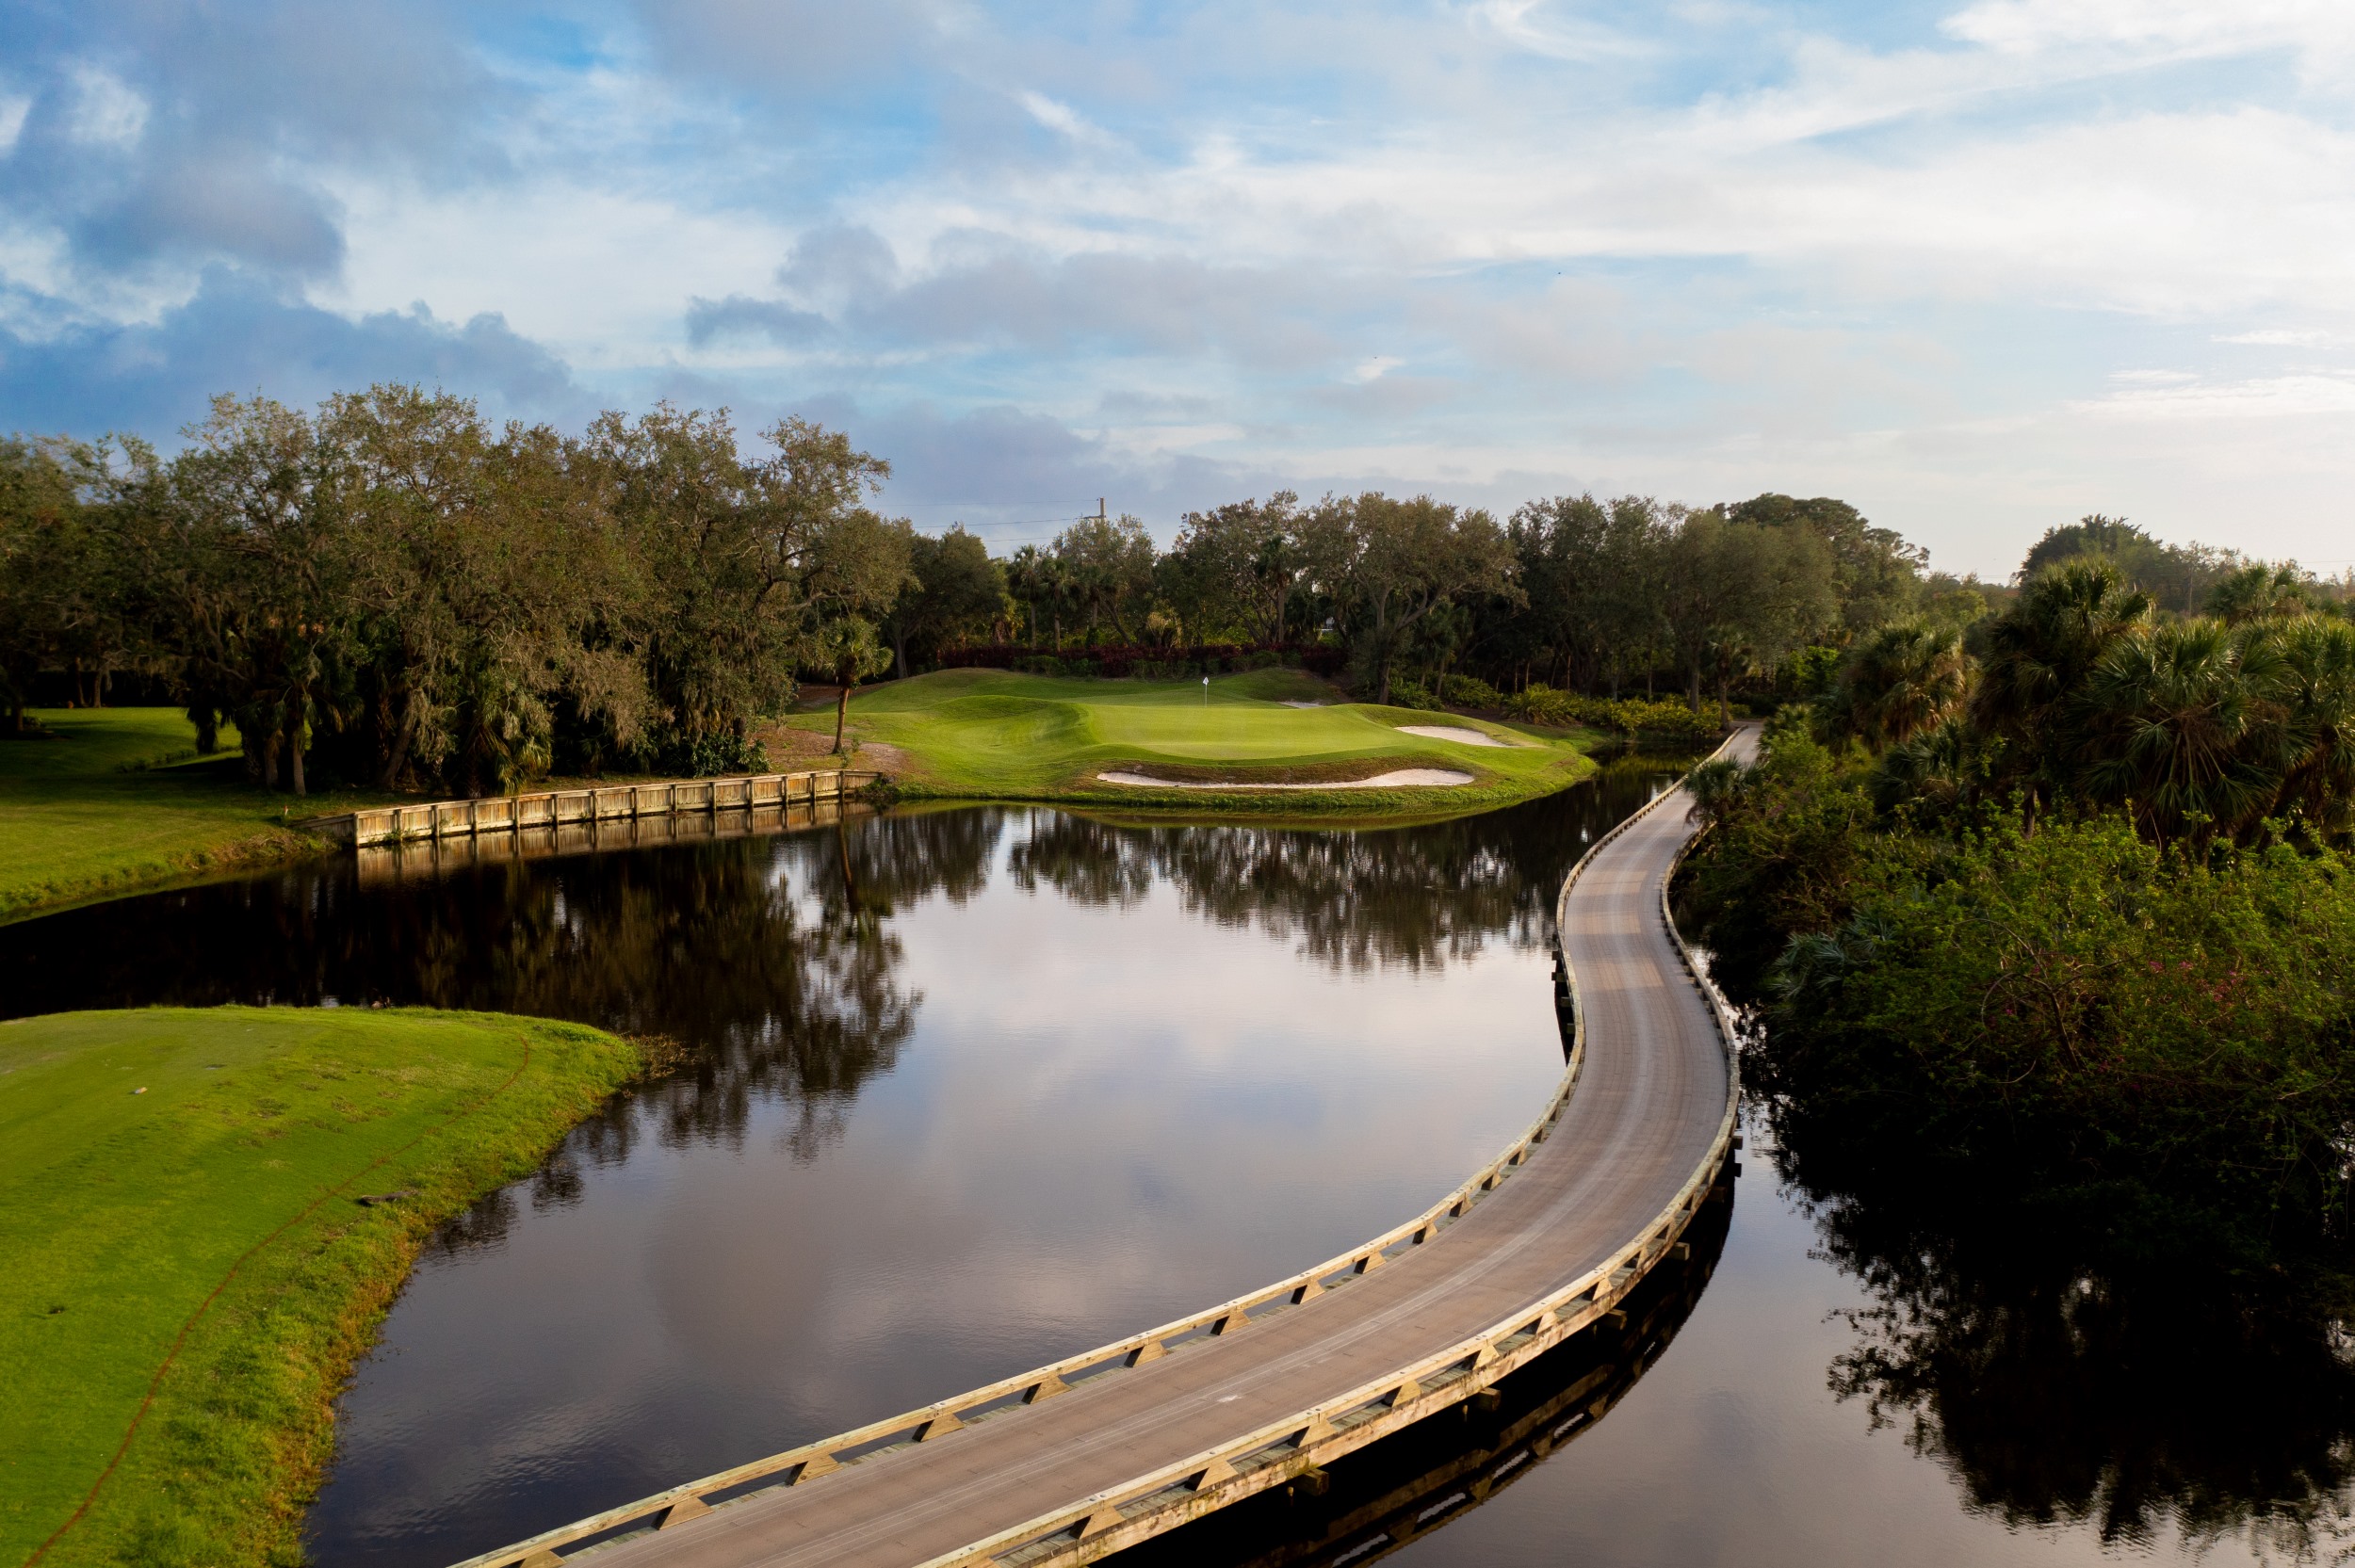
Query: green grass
<point x="118" y="800"/>
<point x="990" y="734"/>
<point x="191" y="1266"/>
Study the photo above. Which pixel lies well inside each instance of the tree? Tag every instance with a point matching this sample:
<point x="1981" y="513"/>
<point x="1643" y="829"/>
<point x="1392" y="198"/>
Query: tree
<point x="1898" y="681"/>
<point x="2313" y="748"/>
<point x="260" y="553"/>
<point x="1390" y="563"/>
<point x="1741" y="595"/>
<point x="487" y="589"/>
<point x="59" y="606"/>
<point x="955" y="590"/>
<point x="1232" y="569"/>
<point x="2261" y="592"/>
<point x="747" y="567"/>
<point x="1026" y="581"/>
<point x="2175" y="577"/>
<point x="1877" y="573"/>
<point x="2165" y="723"/>
<point x="2040" y="653"/>
<point x="1107" y="571"/>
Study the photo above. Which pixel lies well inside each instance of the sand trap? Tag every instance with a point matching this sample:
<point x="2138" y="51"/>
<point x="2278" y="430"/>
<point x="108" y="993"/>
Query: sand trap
<point x="1451" y="731"/>
<point x="1296" y="703"/>
<point x="1399" y="777"/>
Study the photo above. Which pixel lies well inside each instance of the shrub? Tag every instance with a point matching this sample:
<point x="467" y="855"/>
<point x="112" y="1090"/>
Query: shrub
<point x="2073" y="1013"/>
<point x="1542" y="704"/>
<point x="1468" y="691"/>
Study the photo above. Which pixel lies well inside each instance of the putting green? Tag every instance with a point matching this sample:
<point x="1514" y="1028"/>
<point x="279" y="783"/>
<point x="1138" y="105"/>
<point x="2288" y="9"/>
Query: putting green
<point x="974" y="734"/>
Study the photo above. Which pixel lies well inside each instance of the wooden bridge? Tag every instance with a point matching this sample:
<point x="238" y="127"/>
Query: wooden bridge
<point x="1069" y="1463"/>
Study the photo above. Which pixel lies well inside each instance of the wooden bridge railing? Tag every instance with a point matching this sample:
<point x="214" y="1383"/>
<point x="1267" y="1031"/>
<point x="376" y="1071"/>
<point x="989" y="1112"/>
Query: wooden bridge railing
<point x="1270" y="1455"/>
<point x="550" y="808"/>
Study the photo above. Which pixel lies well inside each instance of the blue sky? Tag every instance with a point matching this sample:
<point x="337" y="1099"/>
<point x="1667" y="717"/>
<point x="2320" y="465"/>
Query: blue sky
<point x="1978" y="267"/>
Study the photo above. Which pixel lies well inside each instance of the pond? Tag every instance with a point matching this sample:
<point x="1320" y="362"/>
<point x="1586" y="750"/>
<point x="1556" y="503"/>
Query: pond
<point x="958" y="1092"/>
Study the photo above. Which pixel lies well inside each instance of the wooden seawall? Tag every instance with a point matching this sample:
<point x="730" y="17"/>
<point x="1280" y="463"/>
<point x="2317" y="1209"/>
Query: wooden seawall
<point x="561" y="808"/>
<point x="1067" y="1463"/>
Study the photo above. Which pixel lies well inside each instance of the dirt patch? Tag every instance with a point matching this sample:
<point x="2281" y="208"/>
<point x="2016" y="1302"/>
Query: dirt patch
<point x="788" y="747"/>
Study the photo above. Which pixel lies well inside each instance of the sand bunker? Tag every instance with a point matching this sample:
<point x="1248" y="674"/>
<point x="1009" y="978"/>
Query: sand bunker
<point x="1451" y="732"/>
<point x="1399" y="777"/>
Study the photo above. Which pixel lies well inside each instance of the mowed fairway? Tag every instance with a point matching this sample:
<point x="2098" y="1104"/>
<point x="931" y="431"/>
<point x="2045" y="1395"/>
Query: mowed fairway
<point x="989" y="734"/>
<point x="190" y="1268"/>
<point x="114" y="798"/>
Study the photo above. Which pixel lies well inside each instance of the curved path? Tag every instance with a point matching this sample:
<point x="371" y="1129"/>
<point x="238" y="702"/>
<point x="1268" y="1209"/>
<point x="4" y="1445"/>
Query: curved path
<point x="1597" y="1193"/>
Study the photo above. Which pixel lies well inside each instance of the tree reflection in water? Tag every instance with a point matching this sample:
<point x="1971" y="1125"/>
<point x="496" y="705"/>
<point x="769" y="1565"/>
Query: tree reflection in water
<point x="770" y="967"/>
<point x="2092" y="1380"/>
<point x="1417" y="898"/>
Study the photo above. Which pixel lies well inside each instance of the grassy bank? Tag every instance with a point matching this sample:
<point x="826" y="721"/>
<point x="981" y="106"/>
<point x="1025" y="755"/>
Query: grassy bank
<point x="186" y="1273"/>
<point x="116" y="799"/>
<point x="991" y="734"/>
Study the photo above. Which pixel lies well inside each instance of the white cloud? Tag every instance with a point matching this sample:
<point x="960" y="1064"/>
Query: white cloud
<point x="2191" y="26"/>
<point x="1061" y="119"/>
<point x="2279" y="339"/>
<point x="2170" y="396"/>
<point x="106" y="112"/>
<point x="12" y="112"/>
<point x="1540" y="26"/>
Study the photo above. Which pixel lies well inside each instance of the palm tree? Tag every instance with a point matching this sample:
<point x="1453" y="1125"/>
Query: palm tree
<point x="1897" y="682"/>
<point x="2040" y="653"/>
<point x="2314" y="748"/>
<point x="2174" y="720"/>
<point x="1055" y="587"/>
<point x="2259" y="593"/>
<point x="1936" y="769"/>
<point x="1023" y="580"/>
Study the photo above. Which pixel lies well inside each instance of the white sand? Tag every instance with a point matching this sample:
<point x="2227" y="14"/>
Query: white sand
<point x="1296" y="703"/>
<point x="1400" y="777"/>
<point x="1451" y="731"/>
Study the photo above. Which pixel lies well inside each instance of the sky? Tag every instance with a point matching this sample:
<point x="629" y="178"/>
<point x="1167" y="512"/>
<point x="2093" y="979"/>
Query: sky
<point x="1977" y="268"/>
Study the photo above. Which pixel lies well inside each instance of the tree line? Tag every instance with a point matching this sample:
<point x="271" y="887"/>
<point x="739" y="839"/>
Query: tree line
<point x="389" y="590"/>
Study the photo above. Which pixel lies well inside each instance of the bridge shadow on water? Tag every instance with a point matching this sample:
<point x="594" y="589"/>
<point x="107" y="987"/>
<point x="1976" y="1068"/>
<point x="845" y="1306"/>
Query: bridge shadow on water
<point x="1382" y="1498"/>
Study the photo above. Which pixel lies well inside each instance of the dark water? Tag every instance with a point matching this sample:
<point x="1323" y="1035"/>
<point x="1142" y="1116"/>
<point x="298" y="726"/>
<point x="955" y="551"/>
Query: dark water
<point x="965" y="1090"/>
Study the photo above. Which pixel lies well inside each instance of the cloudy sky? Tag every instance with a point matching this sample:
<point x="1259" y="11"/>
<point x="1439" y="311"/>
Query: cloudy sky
<point x="1978" y="267"/>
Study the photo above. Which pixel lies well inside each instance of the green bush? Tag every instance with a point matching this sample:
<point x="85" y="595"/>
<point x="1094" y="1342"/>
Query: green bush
<point x="2073" y="1013"/>
<point x="1542" y="704"/>
<point x="1468" y="691"/>
<point x="1413" y="694"/>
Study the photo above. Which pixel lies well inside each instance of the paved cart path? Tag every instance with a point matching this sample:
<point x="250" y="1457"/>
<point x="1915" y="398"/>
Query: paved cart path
<point x="1648" y="1108"/>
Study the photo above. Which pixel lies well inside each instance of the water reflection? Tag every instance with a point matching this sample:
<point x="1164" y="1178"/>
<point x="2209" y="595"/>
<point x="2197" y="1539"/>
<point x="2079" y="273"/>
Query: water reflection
<point x="2062" y="1384"/>
<point x="771" y="960"/>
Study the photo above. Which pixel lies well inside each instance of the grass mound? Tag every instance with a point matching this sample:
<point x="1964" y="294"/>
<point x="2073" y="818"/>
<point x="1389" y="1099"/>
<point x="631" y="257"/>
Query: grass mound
<point x="186" y="1273"/>
<point x="994" y="734"/>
